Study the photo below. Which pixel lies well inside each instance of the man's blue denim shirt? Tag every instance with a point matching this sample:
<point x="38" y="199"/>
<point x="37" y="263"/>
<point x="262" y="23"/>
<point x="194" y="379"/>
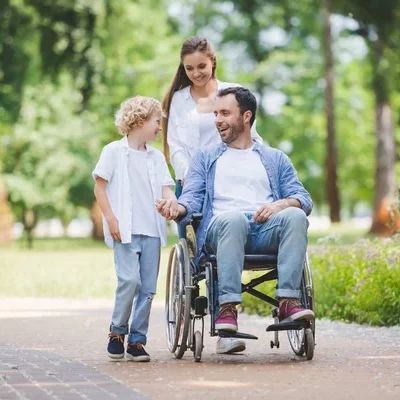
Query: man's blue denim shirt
<point x="198" y="191"/>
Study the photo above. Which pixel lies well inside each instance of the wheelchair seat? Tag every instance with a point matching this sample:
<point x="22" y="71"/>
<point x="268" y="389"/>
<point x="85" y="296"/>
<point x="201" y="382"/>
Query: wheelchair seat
<point x="252" y="262"/>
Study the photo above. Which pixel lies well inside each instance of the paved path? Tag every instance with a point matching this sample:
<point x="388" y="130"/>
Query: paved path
<point x="55" y="349"/>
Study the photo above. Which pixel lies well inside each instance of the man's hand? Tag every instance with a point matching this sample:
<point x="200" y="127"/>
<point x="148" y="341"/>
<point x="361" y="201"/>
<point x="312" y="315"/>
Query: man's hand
<point x="113" y="226"/>
<point x="170" y="209"/>
<point x="265" y="212"/>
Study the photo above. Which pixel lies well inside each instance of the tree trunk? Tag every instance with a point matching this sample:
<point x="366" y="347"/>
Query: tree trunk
<point x="5" y="217"/>
<point x="30" y="219"/>
<point x="332" y="190"/>
<point x="384" y="172"/>
<point x="385" y="147"/>
<point x="96" y="217"/>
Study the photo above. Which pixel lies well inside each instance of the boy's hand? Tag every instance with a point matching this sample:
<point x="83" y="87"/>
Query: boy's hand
<point x="173" y="209"/>
<point x="114" y="228"/>
<point x="168" y="208"/>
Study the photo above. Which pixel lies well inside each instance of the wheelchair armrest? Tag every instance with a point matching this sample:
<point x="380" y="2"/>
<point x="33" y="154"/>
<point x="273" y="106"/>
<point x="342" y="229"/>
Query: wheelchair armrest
<point x="195" y="220"/>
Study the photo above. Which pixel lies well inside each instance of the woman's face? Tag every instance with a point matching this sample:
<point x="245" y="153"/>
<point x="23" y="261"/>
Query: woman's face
<point x="198" y="67"/>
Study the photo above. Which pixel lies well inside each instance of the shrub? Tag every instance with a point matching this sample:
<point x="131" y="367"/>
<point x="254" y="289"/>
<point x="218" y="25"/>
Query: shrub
<point x="358" y="283"/>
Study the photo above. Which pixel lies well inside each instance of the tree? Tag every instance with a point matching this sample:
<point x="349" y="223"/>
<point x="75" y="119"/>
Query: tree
<point x="49" y="156"/>
<point x="110" y="51"/>
<point x="332" y="191"/>
<point x="378" y="25"/>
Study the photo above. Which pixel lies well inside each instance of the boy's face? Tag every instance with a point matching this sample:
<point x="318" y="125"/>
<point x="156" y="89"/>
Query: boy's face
<point x="151" y="127"/>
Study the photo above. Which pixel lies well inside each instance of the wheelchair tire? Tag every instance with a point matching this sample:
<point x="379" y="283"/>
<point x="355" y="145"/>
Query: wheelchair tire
<point x="299" y="339"/>
<point x="185" y="300"/>
<point x="172" y="302"/>
<point x="296" y="340"/>
<point x="198" y="346"/>
<point x="309" y="344"/>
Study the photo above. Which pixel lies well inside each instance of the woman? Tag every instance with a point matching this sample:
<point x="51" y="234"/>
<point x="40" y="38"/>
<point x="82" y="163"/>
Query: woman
<point x="189" y="106"/>
<point x="189" y="124"/>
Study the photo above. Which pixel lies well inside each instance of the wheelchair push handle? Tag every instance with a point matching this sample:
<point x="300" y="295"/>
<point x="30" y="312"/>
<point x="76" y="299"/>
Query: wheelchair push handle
<point x="195" y="220"/>
<point x="197" y="217"/>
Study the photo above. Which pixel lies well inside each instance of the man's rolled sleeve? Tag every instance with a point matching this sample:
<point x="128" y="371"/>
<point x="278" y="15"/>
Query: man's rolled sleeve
<point x="291" y="187"/>
<point x="194" y="189"/>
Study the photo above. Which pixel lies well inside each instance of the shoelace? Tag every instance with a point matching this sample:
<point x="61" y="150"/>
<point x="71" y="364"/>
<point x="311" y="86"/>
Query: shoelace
<point x="290" y="303"/>
<point x="114" y="336"/>
<point x="137" y="344"/>
<point x="228" y="311"/>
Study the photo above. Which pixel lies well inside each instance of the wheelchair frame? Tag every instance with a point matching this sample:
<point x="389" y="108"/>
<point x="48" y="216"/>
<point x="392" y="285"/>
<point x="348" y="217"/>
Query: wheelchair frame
<point x="185" y="307"/>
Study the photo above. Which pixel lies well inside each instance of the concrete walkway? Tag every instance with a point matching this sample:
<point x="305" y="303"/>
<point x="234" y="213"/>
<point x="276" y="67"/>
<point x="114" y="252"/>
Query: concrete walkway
<point x="44" y="351"/>
<point x="56" y="349"/>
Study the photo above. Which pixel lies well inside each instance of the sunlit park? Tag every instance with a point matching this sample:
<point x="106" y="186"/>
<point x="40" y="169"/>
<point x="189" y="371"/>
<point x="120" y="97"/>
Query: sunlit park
<point x="326" y="78"/>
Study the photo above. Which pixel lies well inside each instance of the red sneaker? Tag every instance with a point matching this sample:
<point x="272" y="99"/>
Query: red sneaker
<point x="227" y="318"/>
<point x="292" y="310"/>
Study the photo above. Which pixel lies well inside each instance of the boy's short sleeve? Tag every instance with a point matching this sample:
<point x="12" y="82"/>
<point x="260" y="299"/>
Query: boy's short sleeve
<point x="105" y="166"/>
<point x="167" y="179"/>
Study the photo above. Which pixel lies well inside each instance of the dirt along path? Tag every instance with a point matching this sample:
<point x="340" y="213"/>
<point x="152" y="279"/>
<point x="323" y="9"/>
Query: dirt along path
<point x="351" y="361"/>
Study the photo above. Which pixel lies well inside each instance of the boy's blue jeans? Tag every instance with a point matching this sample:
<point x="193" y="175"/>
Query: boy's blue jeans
<point x="136" y="265"/>
<point x="233" y="234"/>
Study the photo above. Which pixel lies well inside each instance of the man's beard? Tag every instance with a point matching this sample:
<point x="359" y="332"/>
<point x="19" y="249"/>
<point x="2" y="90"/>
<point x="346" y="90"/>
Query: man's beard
<point x="236" y="130"/>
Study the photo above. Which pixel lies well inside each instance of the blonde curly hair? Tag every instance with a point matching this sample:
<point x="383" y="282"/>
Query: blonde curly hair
<point x="134" y="111"/>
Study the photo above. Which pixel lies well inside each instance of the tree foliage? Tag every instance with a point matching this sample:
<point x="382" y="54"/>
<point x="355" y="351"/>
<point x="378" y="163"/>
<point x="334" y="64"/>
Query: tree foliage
<point x="65" y="66"/>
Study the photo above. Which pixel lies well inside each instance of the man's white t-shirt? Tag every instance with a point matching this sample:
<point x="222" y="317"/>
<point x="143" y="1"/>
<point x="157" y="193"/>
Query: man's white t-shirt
<point x="241" y="182"/>
<point x="144" y="217"/>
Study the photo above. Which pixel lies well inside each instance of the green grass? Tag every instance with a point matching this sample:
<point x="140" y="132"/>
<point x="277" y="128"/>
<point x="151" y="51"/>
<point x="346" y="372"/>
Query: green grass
<point x="338" y="234"/>
<point x="83" y="268"/>
<point x="77" y="268"/>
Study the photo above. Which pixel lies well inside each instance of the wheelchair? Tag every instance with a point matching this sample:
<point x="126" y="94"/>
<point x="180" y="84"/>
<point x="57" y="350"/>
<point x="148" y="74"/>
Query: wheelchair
<point x="186" y="308"/>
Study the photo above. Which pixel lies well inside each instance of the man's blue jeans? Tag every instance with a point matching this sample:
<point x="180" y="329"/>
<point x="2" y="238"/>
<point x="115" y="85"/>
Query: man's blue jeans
<point x="136" y="265"/>
<point x="234" y="234"/>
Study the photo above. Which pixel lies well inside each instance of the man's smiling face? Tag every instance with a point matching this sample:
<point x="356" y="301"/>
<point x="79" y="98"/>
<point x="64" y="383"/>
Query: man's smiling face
<point x="228" y="118"/>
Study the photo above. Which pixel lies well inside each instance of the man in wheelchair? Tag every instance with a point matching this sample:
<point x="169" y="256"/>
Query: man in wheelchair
<point x="252" y="203"/>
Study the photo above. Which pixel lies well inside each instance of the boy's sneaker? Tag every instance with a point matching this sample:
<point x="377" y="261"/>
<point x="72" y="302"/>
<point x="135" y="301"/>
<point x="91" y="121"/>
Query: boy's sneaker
<point x="136" y="352"/>
<point x="230" y="345"/>
<point x="227" y="318"/>
<point x="292" y="310"/>
<point x="115" y="348"/>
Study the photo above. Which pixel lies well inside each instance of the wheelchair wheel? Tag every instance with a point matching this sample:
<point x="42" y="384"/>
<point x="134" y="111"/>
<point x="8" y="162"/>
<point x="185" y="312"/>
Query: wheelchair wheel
<point x="198" y="346"/>
<point x="309" y="344"/>
<point x="296" y="340"/>
<point x="177" y="299"/>
<point x="300" y="340"/>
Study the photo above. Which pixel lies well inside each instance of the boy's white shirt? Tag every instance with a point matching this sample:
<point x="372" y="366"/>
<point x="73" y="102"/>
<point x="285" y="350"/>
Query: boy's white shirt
<point x="113" y="167"/>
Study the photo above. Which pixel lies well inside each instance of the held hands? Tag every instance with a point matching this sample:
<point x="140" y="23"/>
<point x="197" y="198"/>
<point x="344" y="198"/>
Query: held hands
<point x="113" y="227"/>
<point x="168" y="208"/>
<point x="266" y="211"/>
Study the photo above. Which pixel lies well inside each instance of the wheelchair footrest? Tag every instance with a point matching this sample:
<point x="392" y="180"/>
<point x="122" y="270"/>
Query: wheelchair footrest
<point x="239" y="335"/>
<point x="288" y="326"/>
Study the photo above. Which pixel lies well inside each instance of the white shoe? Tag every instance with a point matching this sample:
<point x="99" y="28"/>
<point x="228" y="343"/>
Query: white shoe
<point x="230" y="345"/>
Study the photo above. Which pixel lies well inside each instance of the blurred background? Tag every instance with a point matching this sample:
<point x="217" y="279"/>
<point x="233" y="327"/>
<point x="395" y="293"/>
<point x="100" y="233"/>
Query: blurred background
<point x="326" y="75"/>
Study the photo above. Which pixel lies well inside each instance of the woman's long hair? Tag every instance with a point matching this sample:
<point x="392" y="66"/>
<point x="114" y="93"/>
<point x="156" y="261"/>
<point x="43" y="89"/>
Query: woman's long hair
<point x="181" y="80"/>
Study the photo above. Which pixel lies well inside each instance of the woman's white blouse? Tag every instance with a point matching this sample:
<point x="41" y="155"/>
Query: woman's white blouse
<point x="183" y="129"/>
